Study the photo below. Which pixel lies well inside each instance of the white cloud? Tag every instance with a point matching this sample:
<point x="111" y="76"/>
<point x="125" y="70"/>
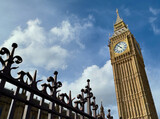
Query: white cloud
<point x="154" y="11"/>
<point x="45" y="49"/>
<point x="67" y="32"/>
<point x="153" y="20"/>
<point x="102" y="84"/>
<point x="155" y="29"/>
<point x="34" y="49"/>
<point x="127" y="11"/>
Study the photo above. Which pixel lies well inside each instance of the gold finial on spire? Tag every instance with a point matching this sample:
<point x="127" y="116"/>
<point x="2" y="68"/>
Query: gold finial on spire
<point x="117" y="12"/>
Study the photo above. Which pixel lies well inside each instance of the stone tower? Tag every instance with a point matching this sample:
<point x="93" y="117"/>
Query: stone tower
<point x="101" y="115"/>
<point x="134" y="98"/>
<point x="102" y="111"/>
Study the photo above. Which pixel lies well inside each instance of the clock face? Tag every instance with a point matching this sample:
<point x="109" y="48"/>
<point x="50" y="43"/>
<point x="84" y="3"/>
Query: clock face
<point x="120" y="47"/>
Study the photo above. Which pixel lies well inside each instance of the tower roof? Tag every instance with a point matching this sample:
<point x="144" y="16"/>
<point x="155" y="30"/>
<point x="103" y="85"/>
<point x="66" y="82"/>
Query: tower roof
<point x="102" y="111"/>
<point x="101" y="108"/>
<point x="119" y="25"/>
<point x="118" y="18"/>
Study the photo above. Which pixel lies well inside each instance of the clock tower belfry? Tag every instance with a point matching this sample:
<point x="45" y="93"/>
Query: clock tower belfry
<point x="134" y="98"/>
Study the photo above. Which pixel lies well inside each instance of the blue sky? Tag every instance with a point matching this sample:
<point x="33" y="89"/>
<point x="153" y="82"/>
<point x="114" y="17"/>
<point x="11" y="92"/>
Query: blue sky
<point x="72" y="36"/>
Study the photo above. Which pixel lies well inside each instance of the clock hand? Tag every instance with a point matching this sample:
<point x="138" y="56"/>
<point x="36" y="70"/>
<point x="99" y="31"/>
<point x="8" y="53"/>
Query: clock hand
<point x="119" y="46"/>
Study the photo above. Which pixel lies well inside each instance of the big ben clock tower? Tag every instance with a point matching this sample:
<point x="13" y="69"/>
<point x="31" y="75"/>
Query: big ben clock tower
<point x="134" y="98"/>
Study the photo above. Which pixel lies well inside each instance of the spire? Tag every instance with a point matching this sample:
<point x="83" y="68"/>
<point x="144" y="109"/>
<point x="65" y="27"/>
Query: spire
<point x="101" y="106"/>
<point x="102" y="114"/>
<point x="119" y="23"/>
<point x="118" y="18"/>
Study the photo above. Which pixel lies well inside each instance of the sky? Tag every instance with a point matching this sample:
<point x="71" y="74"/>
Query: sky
<point x="71" y="36"/>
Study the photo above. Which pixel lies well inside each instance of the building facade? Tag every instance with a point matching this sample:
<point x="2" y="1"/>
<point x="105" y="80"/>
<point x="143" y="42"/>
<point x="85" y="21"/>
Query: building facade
<point x="134" y="98"/>
<point x="5" y="103"/>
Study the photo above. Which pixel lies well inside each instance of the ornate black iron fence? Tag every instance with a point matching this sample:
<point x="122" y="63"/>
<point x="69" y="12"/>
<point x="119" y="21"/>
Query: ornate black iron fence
<point x="62" y="100"/>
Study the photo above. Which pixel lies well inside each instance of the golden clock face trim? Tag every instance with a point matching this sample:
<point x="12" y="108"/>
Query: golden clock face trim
<point x="114" y="54"/>
<point x="120" y="47"/>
